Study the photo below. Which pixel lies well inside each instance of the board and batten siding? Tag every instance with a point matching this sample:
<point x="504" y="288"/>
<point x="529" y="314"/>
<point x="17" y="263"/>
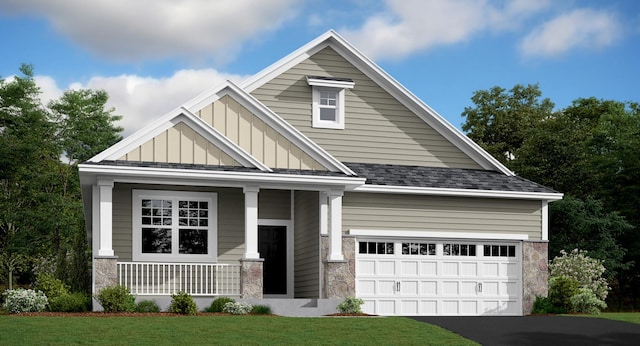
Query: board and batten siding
<point x="378" y="128"/>
<point x="441" y="214"/>
<point x="253" y="135"/>
<point x="180" y="144"/>
<point x="306" y="245"/>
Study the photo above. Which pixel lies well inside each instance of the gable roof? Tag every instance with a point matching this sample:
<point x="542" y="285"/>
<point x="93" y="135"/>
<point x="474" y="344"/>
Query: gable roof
<point x="385" y="81"/>
<point x="186" y="114"/>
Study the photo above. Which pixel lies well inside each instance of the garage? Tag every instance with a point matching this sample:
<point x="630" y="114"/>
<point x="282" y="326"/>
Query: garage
<point x="439" y="277"/>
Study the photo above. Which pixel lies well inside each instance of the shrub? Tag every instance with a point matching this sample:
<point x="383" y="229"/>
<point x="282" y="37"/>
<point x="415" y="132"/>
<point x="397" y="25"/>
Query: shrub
<point x="21" y="300"/>
<point x="218" y="304"/>
<point x="561" y="289"/>
<point x="116" y="299"/>
<point x="147" y="306"/>
<point x="182" y="303"/>
<point x="351" y="305"/>
<point x="70" y="302"/>
<point x="261" y="310"/>
<point x="235" y="308"/>
<point x="586" y="301"/>
<point x="587" y="271"/>
<point x="543" y="305"/>
<point x="50" y="286"/>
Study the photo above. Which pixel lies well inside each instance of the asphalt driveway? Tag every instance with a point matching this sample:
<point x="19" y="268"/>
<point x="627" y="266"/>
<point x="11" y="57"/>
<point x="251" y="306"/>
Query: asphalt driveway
<point x="539" y="330"/>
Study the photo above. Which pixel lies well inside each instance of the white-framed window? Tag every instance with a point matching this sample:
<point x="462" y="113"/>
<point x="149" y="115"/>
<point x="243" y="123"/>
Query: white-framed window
<point x="328" y="105"/>
<point x="178" y="226"/>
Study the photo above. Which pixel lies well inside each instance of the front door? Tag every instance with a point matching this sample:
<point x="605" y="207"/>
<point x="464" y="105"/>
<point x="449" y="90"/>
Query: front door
<point x="272" y="246"/>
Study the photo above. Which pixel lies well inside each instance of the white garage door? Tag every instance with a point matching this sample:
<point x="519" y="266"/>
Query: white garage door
<point x="439" y="277"/>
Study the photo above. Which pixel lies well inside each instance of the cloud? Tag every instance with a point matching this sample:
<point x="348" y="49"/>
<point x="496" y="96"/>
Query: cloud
<point x="407" y="26"/>
<point x="133" y="30"/>
<point x="140" y="100"/>
<point x="581" y="28"/>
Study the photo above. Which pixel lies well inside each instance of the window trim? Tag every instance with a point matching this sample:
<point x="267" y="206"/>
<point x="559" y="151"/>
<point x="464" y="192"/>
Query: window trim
<point x="136" y="228"/>
<point x="336" y="85"/>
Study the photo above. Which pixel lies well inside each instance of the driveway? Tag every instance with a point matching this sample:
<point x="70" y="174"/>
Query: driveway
<point x="539" y="330"/>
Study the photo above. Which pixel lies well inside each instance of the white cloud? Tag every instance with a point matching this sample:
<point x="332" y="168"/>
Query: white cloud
<point x="581" y="28"/>
<point x="140" y="100"/>
<point x="131" y="30"/>
<point x="408" y="26"/>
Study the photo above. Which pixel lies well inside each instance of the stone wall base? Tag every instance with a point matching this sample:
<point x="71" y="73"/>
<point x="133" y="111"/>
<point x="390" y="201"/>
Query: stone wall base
<point x="105" y="272"/>
<point x="339" y="277"/>
<point x="251" y="281"/>
<point x="535" y="273"/>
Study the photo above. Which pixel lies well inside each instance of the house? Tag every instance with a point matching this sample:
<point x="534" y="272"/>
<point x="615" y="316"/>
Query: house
<point x="320" y="177"/>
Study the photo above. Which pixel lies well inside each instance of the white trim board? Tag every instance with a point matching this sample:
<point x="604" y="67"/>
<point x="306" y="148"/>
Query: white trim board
<point x="435" y="234"/>
<point x="435" y="191"/>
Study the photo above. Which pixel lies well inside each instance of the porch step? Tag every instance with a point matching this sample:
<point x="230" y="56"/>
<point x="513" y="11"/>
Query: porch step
<point x="298" y="307"/>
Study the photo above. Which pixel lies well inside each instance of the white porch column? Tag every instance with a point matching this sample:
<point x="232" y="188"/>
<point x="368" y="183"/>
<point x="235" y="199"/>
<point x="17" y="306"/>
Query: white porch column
<point x="105" y="216"/>
<point x="251" y="222"/>
<point x="324" y="213"/>
<point x="335" y="229"/>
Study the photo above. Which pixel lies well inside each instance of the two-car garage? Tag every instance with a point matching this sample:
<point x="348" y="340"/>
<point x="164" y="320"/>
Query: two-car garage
<point x="439" y="277"/>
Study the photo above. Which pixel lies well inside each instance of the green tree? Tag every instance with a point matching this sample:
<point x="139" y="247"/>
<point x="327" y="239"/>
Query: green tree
<point x="501" y="119"/>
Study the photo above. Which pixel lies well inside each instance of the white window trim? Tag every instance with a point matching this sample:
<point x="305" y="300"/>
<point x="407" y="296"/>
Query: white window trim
<point x="212" y="237"/>
<point x="337" y="86"/>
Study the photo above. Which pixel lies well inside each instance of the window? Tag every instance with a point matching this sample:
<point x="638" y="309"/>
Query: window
<point x="174" y="226"/>
<point x="328" y="101"/>
<point x="424" y="249"/>
<point x="379" y="248"/>
<point x="459" y="250"/>
<point x="500" y="251"/>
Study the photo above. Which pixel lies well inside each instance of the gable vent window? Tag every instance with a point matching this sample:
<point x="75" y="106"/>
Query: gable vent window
<point x="328" y="101"/>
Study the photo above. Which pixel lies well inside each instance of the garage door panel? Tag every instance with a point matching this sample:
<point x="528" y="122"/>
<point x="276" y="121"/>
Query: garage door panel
<point x="439" y="283"/>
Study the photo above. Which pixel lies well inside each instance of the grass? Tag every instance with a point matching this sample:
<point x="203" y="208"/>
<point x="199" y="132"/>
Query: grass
<point x="632" y="317"/>
<point x="198" y="330"/>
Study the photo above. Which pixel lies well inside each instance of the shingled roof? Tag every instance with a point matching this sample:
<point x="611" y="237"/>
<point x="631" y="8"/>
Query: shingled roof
<point x="447" y="178"/>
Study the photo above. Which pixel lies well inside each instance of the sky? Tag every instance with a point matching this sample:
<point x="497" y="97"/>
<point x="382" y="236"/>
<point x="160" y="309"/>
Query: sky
<point x="151" y="56"/>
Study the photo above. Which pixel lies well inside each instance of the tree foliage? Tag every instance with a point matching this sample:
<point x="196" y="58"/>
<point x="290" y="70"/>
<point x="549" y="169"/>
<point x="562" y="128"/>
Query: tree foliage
<point x="40" y="202"/>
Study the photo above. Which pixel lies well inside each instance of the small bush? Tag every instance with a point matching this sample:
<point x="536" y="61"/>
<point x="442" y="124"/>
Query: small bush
<point x="50" y="286"/>
<point x="584" y="269"/>
<point x="218" y="304"/>
<point x="21" y="300"/>
<point x="350" y="305"/>
<point x="261" y="310"/>
<point x="543" y="305"/>
<point x="116" y="299"/>
<point x="561" y="289"/>
<point x="586" y="301"/>
<point x="147" y="306"/>
<point x="70" y="302"/>
<point x="182" y="303"/>
<point x="235" y="308"/>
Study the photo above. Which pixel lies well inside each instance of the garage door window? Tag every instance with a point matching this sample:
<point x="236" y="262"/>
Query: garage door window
<point x="423" y="249"/>
<point x="377" y="248"/>
<point x="499" y="251"/>
<point x="459" y="250"/>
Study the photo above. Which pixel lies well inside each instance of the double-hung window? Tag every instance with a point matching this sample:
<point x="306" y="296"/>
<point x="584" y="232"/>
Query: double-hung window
<point x="328" y="105"/>
<point x="176" y="226"/>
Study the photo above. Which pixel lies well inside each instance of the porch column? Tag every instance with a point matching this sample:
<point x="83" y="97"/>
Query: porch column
<point x="251" y="222"/>
<point x="335" y="227"/>
<point x="105" y="217"/>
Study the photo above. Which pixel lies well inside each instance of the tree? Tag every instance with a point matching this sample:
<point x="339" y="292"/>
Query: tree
<point x="500" y="120"/>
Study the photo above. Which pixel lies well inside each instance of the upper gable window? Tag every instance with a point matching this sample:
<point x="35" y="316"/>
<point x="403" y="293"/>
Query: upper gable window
<point x="328" y="101"/>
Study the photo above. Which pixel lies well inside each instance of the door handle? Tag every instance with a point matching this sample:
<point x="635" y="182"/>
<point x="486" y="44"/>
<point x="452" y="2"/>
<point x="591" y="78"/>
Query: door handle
<point x="479" y="286"/>
<point x="397" y="286"/>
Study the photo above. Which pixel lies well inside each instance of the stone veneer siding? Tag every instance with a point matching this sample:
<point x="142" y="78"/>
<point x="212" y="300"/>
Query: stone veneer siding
<point x="339" y="277"/>
<point x="105" y="272"/>
<point x="251" y="281"/>
<point x="535" y="273"/>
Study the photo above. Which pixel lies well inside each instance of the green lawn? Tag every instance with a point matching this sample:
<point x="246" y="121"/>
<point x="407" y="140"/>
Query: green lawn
<point x="198" y="330"/>
<point x="633" y="317"/>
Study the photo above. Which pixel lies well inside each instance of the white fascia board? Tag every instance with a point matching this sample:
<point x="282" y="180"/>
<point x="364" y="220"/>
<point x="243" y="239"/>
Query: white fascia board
<point x="458" y="192"/>
<point x="327" y="83"/>
<point x="284" y="128"/>
<point x="174" y="176"/>
<point x="380" y="233"/>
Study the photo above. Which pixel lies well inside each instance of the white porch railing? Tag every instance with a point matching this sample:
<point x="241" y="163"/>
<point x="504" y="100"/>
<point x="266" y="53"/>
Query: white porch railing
<point x="197" y="279"/>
